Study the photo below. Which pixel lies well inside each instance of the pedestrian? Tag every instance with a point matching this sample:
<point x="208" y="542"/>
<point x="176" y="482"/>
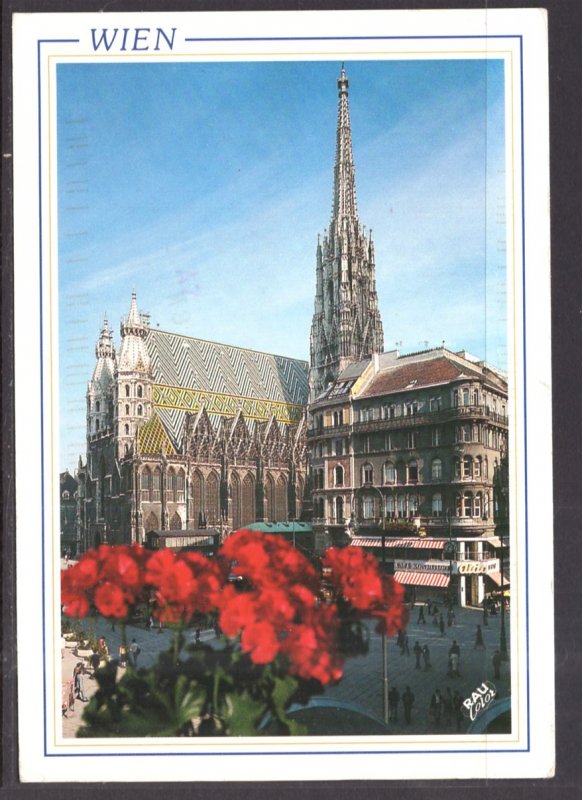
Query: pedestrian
<point x="458" y="709"/>
<point x="122" y="655"/>
<point x="435" y="615"/>
<point x="479" y="643"/>
<point x="406" y="646"/>
<point x="407" y="703"/>
<point x="134" y="651"/>
<point x="454" y="666"/>
<point x="103" y="651"/>
<point x="417" y="650"/>
<point x="442" y="625"/>
<point x="448" y="707"/>
<point x="485" y="615"/>
<point x="429" y="607"/>
<point x="450" y="617"/>
<point x="497" y="663"/>
<point x="426" y="658"/>
<point x="94" y="661"/>
<point x="436" y="707"/>
<point x="393" y="700"/>
<point x="79" y="687"/>
<point x="421" y="619"/>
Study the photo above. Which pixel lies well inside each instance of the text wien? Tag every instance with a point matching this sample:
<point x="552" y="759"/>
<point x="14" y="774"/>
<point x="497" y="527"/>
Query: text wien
<point x="133" y="39"/>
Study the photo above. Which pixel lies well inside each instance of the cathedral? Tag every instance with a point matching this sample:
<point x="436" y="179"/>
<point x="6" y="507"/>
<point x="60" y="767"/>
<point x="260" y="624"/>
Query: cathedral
<point x="185" y="434"/>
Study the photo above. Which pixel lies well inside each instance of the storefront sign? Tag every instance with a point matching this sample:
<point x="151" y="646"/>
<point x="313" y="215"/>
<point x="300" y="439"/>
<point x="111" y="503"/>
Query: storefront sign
<point x="476" y="567"/>
<point x="421" y="566"/>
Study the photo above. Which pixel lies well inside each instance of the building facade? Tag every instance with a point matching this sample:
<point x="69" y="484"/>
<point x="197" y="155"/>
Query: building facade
<point x="184" y="434"/>
<point x="402" y="448"/>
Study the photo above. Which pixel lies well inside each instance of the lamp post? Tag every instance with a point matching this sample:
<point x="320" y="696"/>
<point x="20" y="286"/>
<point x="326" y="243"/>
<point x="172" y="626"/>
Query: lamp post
<point x="385" y="705"/>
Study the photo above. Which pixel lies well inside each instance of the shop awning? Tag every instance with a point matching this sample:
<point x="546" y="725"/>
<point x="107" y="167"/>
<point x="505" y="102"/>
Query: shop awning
<point x="408" y="578"/>
<point x="376" y="541"/>
<point x="496" y="578"/>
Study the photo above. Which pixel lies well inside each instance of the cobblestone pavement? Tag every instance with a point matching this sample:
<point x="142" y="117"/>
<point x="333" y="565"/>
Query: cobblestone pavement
<point x="362" y="681"/>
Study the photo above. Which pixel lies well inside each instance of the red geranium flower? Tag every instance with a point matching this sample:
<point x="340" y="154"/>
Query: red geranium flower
<point x="110" y="601"/>
<point x="260" y="641"/>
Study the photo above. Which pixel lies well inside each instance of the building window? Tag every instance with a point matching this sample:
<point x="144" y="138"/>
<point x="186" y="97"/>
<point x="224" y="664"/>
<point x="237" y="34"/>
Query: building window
<point x="388" y="441"/>
<point x="338" y="476"/>
<point x="437" y="505"/>
<point x="385" y="413"/>
<point x="413" y="505"/>
<point x="465" y="397"/>
<point x="466" y="431"/>
<point x="367" y="474"/>
<point x="436" y="437"/>
<point x="338" y="418"/>
<point x="139" y="411"/>
<point x="139" y="391"/>
<point x="126" y="410"/>
<point x="476" y="398"/>
<point x="339" y="509"/>
<point x="338" y="446"/>
<point x="477" y="467"/>
<point x="434" y="404"/>
<point x="96" y="424"/>
<point x="127" y="390"/>
<point x="97" y="406"/>
<point x="477" y="507"/>
<point x="389" y="472"/>
<point x="390" y="507"/>
<point x="368" y="508"/>
<point x="126" y="450"/>
<point x="455" y="398"/>
<point x="456" y="468"/>
<point x="366" y="444"/>
<point x="412" y="472"/>
<point x="467" y="467"/>
<point x="401" y="506"/>
<point x="467" y="504"/>
<point x="412" y="439"/>
<point x="392" y="411"/>
<point x="436" y="469"/>
<point x="127" y="430"/>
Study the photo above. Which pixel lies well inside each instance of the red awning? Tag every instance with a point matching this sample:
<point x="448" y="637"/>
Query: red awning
<point x="496" y="578"/>
<point x="376" y="541"/>
<point x="438" y="579"/>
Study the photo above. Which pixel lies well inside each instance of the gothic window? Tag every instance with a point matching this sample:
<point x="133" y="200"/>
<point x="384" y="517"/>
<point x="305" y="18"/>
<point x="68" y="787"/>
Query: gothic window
<point x="389" y="472"/>
<point x="127" y="430"/>
<point x="236" y="500"/>
<point x="180" y="486"/>
<point x="96" y="424"/>
<point x="126" y="450"/>
<point x="197" y="491"/>
<point x="139" y="411"/>
<point x="436" y="469"/>
<point x="127" y="390"/>
<point x="437" y="504"/>
<point x="146" y="484"/>
<point x="139" y="390"/>
<point x="338" y="476"/>
<point x="367" y="474"/>
<point x="126" y="410"/>
<point x="281" y="499"/>
<point x="248" y="499"/>
<point x="300" y="490"/>
<point x="270" y="492"/>
<point x="412" y="470"/>
<point x="156" y="483"/>
<point x="151" y="523"/>
<point x="212" y="499"/>
<point x="170" y="485"/>
<point x="97" y="406"/>
<point x="176" y="522"/>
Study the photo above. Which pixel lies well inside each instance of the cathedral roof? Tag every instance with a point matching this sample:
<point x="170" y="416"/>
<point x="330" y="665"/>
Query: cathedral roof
<point x="152" y="438"/>
<point x="416" y="374"/>
<point x="189" y="374"/>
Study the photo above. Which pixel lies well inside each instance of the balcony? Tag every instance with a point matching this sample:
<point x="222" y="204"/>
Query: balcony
<point x="429" y="418"/>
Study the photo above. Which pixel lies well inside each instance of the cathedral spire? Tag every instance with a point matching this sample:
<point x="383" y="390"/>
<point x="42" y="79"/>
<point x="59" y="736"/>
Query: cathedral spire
<point x="344" y="179"/>
<point x="346" y="323"/>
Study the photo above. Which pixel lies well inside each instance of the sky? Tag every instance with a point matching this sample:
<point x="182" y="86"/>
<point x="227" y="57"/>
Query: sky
<point x="203" y="186"/>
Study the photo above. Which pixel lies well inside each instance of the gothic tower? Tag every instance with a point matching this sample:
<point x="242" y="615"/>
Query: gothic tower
<point x="100" y="388"/>
<point x="346" y="323"/>
<point x="133" y="395"/>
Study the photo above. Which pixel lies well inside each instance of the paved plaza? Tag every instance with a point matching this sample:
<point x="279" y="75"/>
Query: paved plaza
<point x="362" y="681"/>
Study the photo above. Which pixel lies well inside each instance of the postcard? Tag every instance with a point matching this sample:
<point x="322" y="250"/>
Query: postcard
<point x="282" y="370"/>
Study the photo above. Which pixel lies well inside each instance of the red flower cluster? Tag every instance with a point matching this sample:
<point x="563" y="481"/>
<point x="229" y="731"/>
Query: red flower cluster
<point x="355" y="575"/>
<point x="274" y="608"/>
<point x="109" y="578"/>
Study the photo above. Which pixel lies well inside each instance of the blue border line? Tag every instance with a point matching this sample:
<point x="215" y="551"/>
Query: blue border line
<point x="277" y="752"/>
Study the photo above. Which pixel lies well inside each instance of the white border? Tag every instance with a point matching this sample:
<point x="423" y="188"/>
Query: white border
<point x="532" y="754"/>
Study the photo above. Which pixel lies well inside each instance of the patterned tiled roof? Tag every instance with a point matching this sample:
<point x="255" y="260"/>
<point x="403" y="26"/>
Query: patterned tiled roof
<point x="189" y="374"/>
<point x="152" y="439"/>
<point x="418" y="374"/>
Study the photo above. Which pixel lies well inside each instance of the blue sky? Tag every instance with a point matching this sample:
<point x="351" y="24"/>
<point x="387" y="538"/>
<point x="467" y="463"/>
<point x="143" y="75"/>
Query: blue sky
<point x="204" y="186"/>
